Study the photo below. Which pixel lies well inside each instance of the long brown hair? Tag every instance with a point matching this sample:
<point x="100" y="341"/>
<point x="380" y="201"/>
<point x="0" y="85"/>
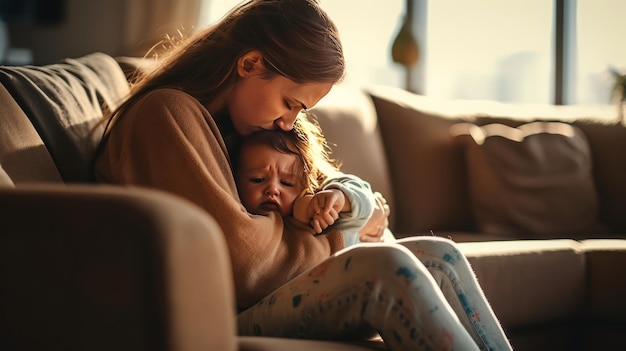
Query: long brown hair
<point x="296" y="37"/>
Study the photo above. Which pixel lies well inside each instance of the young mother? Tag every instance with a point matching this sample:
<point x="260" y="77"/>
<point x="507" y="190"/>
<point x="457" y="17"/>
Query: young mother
<point x="259" y="68"/>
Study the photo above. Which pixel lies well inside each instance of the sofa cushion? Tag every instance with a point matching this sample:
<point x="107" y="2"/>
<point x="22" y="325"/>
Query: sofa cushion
<point x="535" y="179"/>
<point x="426" y="165"/>
<point x="64" y="102"/>
<point x="261" y="343"/>
<point x="5" y="180"/>
<point x="87" y="267"/>
<point x="348" y="120"/>
<point x="530" y="282"/>
<point x="608" y="142"/>
<point x="606" y="288"/>
<point x="23" y="156"/>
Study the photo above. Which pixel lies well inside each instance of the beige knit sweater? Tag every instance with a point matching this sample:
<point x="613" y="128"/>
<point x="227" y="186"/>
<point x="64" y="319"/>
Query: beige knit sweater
<point x="169" y="141"/>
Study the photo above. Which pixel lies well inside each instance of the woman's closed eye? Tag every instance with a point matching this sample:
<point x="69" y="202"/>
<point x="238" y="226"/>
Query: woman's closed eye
<point x="297" y="106"/>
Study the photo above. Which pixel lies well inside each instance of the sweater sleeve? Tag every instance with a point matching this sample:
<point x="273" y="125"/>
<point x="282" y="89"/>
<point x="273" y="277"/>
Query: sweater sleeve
<point x="362" y="202"/>
<point x="167" y="140"/>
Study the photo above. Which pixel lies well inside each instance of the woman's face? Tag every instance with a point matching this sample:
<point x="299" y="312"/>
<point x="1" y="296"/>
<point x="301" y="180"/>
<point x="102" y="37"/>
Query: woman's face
<point x="255" y="103"/>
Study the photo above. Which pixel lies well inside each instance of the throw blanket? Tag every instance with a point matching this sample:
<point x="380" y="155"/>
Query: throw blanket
<point x="65" y="102"/>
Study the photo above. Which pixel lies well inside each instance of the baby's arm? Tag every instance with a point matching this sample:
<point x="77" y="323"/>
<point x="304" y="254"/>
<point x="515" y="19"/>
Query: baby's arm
<point x="300" y="208"/>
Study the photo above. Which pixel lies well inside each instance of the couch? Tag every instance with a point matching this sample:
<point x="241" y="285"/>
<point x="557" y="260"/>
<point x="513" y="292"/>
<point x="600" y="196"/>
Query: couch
<point x="91" y="266"/>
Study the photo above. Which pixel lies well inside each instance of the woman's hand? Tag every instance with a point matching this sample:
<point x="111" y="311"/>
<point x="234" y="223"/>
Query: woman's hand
<point x="374" y="229"/>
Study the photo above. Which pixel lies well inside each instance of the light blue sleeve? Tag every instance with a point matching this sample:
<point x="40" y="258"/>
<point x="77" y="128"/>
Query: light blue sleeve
<point x="362" y="203"/>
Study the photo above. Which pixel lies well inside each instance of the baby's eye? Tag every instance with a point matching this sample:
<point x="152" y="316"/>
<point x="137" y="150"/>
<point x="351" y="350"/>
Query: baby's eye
<point x="257" y="180"/>
<point x="286" y="183"/>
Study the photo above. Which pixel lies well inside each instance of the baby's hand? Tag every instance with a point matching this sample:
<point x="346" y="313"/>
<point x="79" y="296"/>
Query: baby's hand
<point x="301" y="209"/>
<point x="324" y="208"/>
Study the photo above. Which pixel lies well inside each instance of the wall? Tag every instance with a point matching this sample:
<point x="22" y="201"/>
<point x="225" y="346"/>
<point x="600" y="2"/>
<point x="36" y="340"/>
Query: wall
<point x="88" y="26"/>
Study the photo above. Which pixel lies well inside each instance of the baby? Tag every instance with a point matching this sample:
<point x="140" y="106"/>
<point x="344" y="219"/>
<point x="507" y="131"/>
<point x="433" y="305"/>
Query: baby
<point x="279" y="171"/>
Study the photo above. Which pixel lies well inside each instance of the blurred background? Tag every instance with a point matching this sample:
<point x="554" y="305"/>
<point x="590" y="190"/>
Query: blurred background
<point x="525" y="51"/>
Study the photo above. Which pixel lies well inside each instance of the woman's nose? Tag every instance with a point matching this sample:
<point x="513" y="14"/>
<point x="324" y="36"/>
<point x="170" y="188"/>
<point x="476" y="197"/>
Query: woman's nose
<point x="286" y="121"/>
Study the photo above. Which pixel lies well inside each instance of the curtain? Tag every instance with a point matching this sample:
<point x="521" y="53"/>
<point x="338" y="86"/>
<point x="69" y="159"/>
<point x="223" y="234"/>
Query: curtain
<point x="147" y="22"/>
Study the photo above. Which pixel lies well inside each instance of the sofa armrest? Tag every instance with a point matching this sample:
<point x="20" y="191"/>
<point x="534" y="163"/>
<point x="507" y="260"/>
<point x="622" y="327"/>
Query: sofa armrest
<point x="112" y="268"/>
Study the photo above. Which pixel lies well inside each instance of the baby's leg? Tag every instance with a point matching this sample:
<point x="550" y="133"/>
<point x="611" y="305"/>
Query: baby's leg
<point x="456" y="279"/>
<point x="383" y="287"/>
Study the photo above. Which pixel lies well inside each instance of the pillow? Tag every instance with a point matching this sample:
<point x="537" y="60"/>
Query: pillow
<point x="5" y="180"/>
<point x="64" y="102"/>
<point x="426" y="164"/>
<point x="533" y="179"/>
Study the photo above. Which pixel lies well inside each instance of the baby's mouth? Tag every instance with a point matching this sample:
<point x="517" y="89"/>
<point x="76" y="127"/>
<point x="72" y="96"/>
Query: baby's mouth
<point x="270" y="206"/>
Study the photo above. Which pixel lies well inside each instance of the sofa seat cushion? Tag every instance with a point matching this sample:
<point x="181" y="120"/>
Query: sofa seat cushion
<point x="23" y="156"/>
<point x="532" y="180"/>
<point x="606" y="259"/>
<point x="64" y="102"/>
<point x="256" y="343"/>
<point x="5" y="180"/>
<point x="530" y="282"/>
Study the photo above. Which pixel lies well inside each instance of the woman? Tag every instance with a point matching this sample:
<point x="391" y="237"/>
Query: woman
<point x="258" y="68"/>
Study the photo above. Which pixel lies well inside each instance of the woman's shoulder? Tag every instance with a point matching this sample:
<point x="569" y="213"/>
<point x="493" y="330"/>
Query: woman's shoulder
<point x="167" y="95"/>
<point x="169" y="101"/>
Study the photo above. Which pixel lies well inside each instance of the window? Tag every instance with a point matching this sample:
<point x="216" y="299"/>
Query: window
<point x="366" y="27"/>
<point x="483" y="49"/>
<point x="599" y="38"/>
<point x="510" y="51"/>
<point x="489" y="49"/>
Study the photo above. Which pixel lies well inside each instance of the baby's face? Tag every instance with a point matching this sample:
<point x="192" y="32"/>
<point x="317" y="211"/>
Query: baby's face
<point x="267" y="180"/>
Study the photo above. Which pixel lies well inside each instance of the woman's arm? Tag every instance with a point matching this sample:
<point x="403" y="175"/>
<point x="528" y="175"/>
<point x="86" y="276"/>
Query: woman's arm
<point x="168" y="141"/>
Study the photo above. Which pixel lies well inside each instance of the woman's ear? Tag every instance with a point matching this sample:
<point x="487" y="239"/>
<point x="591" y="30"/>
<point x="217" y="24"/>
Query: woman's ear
<point x="250" y="63"/>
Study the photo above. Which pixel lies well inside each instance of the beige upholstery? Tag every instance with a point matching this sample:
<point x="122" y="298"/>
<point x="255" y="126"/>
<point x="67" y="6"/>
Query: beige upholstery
<point x="537" y="288"/>
<point x="348" y="119"/>
<point x="251" y="343"/>
<point x="5" y="180"/>
<point x="111" y="268"/>
<point x="526" y="278"/>
<point x="23" y="155"/>
<point x="120" y="268"/>
<point x="532" y="179"/>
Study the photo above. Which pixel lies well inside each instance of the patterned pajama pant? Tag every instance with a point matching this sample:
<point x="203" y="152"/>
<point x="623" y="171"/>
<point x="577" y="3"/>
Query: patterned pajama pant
<point x="418" y="294"/>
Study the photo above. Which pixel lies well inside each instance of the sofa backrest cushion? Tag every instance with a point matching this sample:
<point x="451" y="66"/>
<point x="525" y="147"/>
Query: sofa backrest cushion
<point x="608" y="148"/>
<point x="5" y="180"/>
<point x="428" y="169"/>
<point x="23" y="156"/>
<point x="531" y="180"/>
<point x="65" y="102"/>
<point x="348" y="120"/>
<point x="426" y="165"/>
<point x="606" y="137"/>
